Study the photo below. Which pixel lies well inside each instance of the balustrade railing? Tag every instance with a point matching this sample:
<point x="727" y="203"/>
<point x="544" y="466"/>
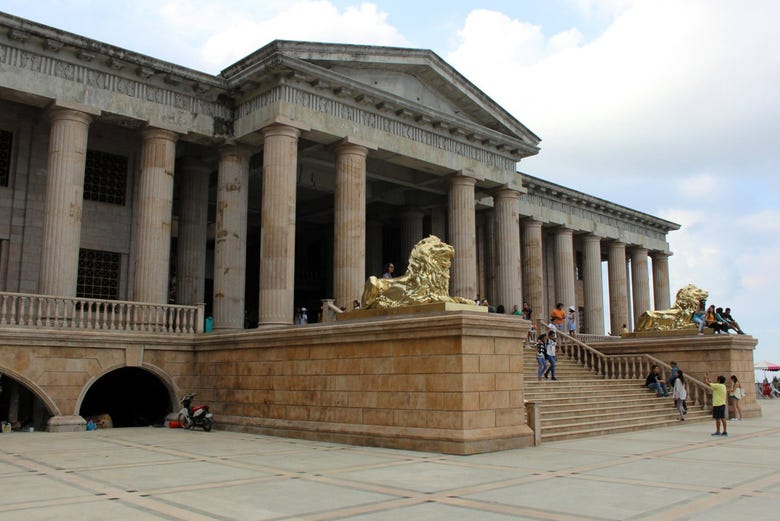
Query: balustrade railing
<point x="628" y="366"/>
<point x="44" y="311"/>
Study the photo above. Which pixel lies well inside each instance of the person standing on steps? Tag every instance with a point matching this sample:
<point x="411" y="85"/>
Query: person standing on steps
<point x="389" y="270"/>
<point x="541" y="355"/>
<point x="550" y="350"/>
<point x="718" y="403"/>
<point x="558" y="317"/>
<point x="680" y="393"/>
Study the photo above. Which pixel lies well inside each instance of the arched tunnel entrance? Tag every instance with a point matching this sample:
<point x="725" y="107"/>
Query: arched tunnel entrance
<point x="20" y="407"/>
<point x="131" y="396"/>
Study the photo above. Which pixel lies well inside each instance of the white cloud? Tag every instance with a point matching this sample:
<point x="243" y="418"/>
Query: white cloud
<point x="245" y="27"/>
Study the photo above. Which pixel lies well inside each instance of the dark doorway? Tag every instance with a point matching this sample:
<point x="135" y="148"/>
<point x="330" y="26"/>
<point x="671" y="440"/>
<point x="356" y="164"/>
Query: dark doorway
<point x="133" y="397"/>
<point x="19" y="407"/>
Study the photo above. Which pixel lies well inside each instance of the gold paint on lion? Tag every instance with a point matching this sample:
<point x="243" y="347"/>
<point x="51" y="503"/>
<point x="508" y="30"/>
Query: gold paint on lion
<point x="680" y="317"/>
<point x="427" y="279"/>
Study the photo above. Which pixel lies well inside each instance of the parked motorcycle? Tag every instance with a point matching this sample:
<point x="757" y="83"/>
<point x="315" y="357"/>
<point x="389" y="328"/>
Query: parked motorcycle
<point x="190" y="417"/>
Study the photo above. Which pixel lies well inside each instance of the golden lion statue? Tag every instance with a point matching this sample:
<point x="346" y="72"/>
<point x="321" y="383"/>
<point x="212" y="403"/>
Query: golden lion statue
<point x="426" y="280"/>
<point x="686" y="303"/>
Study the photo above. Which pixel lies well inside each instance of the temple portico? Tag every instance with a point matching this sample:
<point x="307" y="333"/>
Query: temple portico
<point x="292" y="177"/>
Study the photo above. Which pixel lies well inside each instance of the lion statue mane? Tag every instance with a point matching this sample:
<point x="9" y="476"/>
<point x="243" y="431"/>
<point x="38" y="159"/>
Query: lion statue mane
<point x="687" y="301"/>
<point x="426" y="280"/>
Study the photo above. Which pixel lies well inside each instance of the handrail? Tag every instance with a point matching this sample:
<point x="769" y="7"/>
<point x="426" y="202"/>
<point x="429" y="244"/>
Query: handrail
<point x="631" y="366"/>
<point x="46" y="311"/>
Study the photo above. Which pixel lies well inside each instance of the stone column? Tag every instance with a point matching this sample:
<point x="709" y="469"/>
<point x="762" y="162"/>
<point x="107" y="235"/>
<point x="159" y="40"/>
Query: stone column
<point x="374" y="248"/>
<point x="277" y="232"/>
<point x="490" y="256"/>
<point x="349" y="224"/>
<point x="411" y="231"/>
<point x="640" y="282"/>
<point x="507" y="249"/>
<point x="153" y="227"/>
<point x="463" y="281"/>
<point x="193" y="231"/>
<point x="62" y="207"/>
<point x="592" y="285"/>
<point x="618" y="287"/>
<point x="661" y="296"/>
<point x="439" y="222"/>
<point x="482" y="267"/>
<point x="533" y="267"/>
<point x="564" y="266"/>
<point x="629" y="306"/>
<point x="230" y="234"/>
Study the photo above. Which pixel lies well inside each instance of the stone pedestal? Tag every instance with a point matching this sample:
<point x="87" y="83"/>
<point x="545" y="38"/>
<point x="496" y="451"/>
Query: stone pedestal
<point x="66" y="424"/>
<point x="153" y="216"/>
<point x="230" y="238"/>
<point x="277" y="231"/>
<point x="64" y="194"/>
<point x="193" y="231"/>
<point x="451" y="382"/>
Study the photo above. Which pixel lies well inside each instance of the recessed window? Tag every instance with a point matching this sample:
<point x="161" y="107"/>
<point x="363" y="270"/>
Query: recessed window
<point x="6" y="140"/>
<point x="98" y="274"/>
<point x="105" y="177"/>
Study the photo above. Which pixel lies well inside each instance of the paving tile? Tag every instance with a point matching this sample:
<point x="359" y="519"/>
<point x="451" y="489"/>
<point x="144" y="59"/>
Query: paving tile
<point x="268" y="500"/>
<point x="430" y="476"/>
<point x="596" y="499"/>
<point x="153" y="477"/>
<point x="34" y="487"/>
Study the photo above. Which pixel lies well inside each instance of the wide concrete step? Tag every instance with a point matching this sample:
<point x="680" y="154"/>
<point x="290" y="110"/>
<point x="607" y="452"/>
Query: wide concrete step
<point x="605" y="428"/>
<point x="601" y="409"/>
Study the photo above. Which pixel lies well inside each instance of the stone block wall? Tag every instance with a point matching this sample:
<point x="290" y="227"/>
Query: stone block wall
<point x="451" y="383"/>
<point x="696" y="355"/>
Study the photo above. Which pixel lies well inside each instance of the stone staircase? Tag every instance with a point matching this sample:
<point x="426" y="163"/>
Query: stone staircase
<point x="581" y="403"/>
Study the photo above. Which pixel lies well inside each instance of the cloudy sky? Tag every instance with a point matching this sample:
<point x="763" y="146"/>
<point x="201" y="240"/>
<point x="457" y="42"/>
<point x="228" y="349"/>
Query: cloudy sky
<point x="670" y="107"/>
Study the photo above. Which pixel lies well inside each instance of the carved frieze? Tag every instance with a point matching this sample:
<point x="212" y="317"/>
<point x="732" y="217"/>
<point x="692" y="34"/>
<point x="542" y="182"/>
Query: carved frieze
<point x="97" y="79"/>
<point x="385" y="122"/>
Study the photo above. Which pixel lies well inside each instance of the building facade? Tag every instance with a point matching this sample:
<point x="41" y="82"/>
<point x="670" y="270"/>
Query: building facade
<point x="288" y="178"/>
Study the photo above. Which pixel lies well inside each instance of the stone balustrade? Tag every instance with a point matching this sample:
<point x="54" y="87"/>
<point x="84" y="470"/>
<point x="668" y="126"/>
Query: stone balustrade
<point x="29" y="310"/>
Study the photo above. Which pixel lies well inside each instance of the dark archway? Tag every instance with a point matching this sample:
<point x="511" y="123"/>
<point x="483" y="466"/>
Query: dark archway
<point x="20" y="407"/>
<point x="132" y="396"/>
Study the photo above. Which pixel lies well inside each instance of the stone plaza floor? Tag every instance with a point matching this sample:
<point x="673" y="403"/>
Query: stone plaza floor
<point x="678" y="473"/>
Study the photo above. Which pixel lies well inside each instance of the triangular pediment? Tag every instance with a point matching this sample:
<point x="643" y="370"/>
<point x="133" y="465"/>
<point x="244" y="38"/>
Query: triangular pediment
<point x="416" y="77"/>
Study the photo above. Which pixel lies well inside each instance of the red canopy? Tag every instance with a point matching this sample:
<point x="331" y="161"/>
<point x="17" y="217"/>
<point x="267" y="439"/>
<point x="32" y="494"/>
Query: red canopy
<point x="767" y="366"/>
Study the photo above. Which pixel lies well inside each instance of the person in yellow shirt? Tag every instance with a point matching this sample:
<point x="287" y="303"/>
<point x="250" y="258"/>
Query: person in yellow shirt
<point x="718" y="403"/>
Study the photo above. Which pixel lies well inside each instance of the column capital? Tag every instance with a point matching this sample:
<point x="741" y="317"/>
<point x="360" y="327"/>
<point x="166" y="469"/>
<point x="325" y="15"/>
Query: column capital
<point x="505" y="192"/>
<point x="149" y="133"/>
<point x="660" y="255"/>
<point x="466" y="174"/>
<point x="591" y="237"/>
<point x="354" y="141"/>
<point x="562" y="230"/>
<point x="280" y="129"/>
<point x="344" y="147"/>
<point x="66" y="114"/>
<point x="235" y="150"/>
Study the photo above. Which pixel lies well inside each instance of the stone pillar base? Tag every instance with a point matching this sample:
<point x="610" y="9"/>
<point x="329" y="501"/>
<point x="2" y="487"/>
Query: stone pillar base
<point x="66" y="424"/>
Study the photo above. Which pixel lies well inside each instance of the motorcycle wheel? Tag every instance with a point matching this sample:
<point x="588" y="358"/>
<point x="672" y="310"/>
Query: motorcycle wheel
<point x="185" y="421"/>
<point x="207" y="423"/>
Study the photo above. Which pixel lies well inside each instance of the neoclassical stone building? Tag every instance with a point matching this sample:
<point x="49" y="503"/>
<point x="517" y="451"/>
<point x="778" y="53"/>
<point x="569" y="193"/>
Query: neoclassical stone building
<point x="134" y="193"/>
<point x="288" y="178"/>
